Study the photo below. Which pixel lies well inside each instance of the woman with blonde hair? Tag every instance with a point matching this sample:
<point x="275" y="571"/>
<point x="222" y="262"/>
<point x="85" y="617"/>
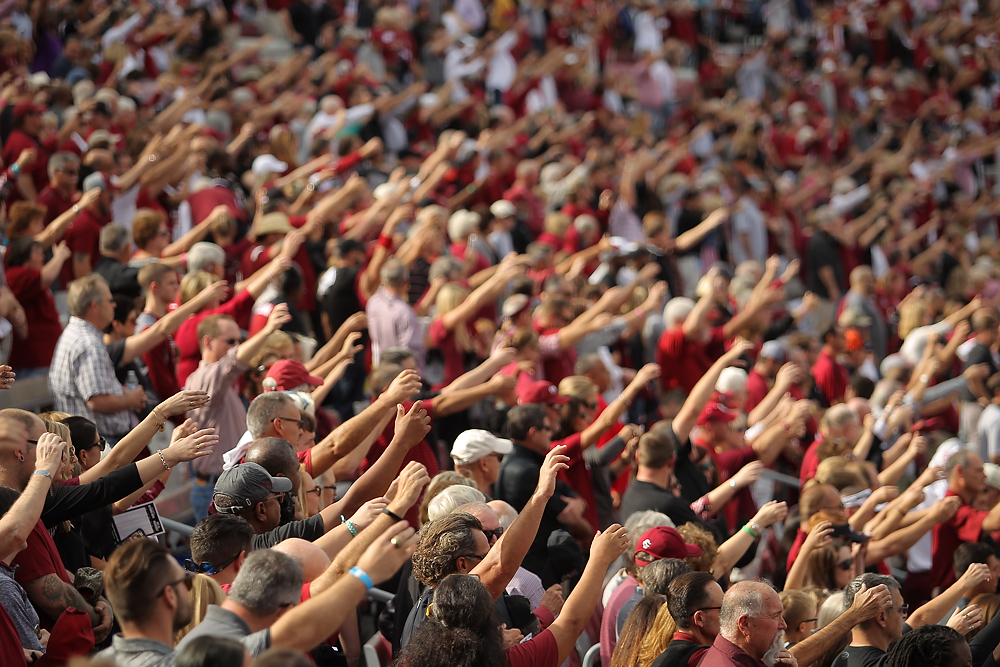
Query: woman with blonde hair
<point x="152" y="237"/>
<point x="641" y="622"/>
<point x="451" y="330"/>
<point x="204" y="591"/>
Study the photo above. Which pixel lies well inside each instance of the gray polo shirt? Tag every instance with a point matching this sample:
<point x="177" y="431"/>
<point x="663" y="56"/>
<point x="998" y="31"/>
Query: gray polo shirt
<point x="221" y="622"/>
<point x="138" y="652"/>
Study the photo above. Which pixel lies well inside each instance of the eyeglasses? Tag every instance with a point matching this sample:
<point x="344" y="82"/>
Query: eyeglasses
<point x="903" y="609"/>
<point x="279" y="496"/>
<point x="101" y="442"/>
<point x="317" y="490"/>
<point x="545" y="427"/>
<point x="846" y="565"/>
<point x="467" y="556"/>
<point x="163" y="232"/>
<point x="208" y="568"/>
<point x="187" y="580"/>
<point x="230" y="341"/>
<point x="704" y="609"/>
<point x="496" y="532"/>
<point x="69" y="172"/>
<point x="286" y="419"/>
<point x="591" y="406"/>
<point x="809" y="620"/>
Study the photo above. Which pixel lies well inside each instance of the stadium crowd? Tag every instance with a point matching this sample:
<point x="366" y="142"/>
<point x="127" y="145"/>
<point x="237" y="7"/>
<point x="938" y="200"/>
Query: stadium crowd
<point x="652" y="334"/>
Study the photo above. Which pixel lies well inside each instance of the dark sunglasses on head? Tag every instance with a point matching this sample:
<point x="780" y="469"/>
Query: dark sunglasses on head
<point x="207" y="568"/>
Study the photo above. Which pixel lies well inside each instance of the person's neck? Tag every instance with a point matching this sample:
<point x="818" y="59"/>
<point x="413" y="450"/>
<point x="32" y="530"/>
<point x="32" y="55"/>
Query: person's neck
<point x="658" y="476"/>
<point x="157" y="630"/>
<point x="255" y="622"/>
<point x="395" y="291"/>
<point x="741" y="643"/>
<point x="481" y="482"/>
<point x="93" y="324"/>
<point x="208" y="357"/>
<point x="227" y="576"/>
<point x="65" y="190"/>
<point x="829" y="351"/>
<point x="963" y="493"/>
<point x="862" y="637"/>
<point x="157" y="306"/>
<point x="699" y="635"/>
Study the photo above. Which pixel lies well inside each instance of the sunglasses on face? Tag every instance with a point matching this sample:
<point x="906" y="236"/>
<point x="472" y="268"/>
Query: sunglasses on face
<point x="496" y="532"/>
<point x="846" y="565"/>
<point x="187" y="580"/>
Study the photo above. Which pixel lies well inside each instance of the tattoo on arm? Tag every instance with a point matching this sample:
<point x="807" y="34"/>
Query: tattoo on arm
<point x="52" y="596"/>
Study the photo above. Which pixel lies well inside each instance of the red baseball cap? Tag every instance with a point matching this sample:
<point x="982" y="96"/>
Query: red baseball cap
<point x="717" y="410"/>
<point x="541" y="391"/>
<point x="24" y="108"/>
<point x="664" y="542"/>
<point x="289" y="374"/>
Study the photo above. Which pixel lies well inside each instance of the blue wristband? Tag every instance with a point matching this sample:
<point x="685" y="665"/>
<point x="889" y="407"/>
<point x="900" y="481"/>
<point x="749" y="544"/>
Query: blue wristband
<point x="43" y="473"/>
<point x="362" y="575"/>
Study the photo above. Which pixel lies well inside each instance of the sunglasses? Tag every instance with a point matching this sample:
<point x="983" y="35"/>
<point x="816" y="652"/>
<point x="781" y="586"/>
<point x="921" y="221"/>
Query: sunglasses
<point x="207" y="568"/>
<point x="286" y="419"/>
<point x="704" y="609"/>
<point x="317" y="490"/>
<point x="476" y="556"/>
<point x="496" y="532"/>
<point x="846" y="565"/>
<point x="187" y="580"/>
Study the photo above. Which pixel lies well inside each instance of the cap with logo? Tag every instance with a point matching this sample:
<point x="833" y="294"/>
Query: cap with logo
<point x="474" y="444"/>
<point x="541" y="391"/>
<point x="248" y="484"/>
<point x="289" y="374"/>
<point x="664" y="542"/>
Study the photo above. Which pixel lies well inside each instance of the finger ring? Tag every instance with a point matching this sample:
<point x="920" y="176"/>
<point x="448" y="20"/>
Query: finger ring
<point x="395" y="542"/>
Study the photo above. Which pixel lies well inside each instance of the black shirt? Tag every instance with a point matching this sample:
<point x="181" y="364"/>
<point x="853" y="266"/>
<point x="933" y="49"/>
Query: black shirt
<point x="341" y="299"/>
<point x="648" y="496"/>
<point x="310" y="529"/>
<point x="122" y="279"/>
<point x="678" y="653"/>
<point x="516" y="484"/>
<point x="980" y="354"/>
<point x="861" y="656"/>
<point x="822" y="250"/>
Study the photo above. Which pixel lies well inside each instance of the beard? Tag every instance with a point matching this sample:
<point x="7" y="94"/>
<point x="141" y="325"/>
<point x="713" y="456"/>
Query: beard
<point x="183" y="615"/>
<point x="777" y="646"/>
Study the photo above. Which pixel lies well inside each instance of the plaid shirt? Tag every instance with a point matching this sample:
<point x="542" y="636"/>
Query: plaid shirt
<point x="82" y="369"/>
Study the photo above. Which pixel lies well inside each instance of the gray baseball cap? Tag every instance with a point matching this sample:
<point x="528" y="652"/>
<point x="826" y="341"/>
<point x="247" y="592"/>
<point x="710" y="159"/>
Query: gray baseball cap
<point x="249" y="484"/>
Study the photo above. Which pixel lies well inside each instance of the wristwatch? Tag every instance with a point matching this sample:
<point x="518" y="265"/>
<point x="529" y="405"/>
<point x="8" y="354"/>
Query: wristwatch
<point x="755" y="527"/>
<point x="732" y="484"/>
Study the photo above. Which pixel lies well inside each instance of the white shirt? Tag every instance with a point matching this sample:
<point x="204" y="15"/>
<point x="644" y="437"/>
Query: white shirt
<point x="748" y="220"/>
<point x="502" y="69"/>
<point x="989" y="430"/>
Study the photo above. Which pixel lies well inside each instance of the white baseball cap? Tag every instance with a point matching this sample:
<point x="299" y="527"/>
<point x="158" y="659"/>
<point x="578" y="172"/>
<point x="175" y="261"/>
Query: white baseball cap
<point x="267" y="164"/>
<point x="474" y="444"/>
<point x="502" y="209"/>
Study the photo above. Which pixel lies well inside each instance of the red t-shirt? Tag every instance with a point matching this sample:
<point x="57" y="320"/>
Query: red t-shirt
<point x="83" y="236"/>
<point x="539" y="651"/>
<point x="756" y="389"/>
<point x="43" y="319"/>
<point x="161" y="362"/>
<point x="830" y="377"/>
<point x="54" y="203"/>
<point x="204" y="201"/>
<point x="965" y="526"/>
<point x="578" y="477"/>
<point x="810" y="461"/>
<point x="255" y="258"/>
<point x="38" y="170"/>
<point x="684" y="361"/>
<point x="422" y="453"/>
<point x="239" y="308"/>
<point x="741" y="507"/>
<point x="444" y="340"/>
<point x="10" y="642"/>
<point x="39" y="559"/>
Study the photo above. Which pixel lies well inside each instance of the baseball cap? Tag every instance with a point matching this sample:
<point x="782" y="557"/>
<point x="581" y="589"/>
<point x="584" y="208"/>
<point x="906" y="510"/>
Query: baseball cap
<point x="541" y="391"/>
<point x="992" y="471"/>
<point x="838" y="521"/>
<point x="289" y="374"/>
<point x="565" y="555"/>
<point x="664" y="542"/>
<point x="24" y="108"/>
<point x="474" y="444"/>
<point x="773" y="349"/>
<point x="100" y="180"/>
<point x="266" y="164"/>
<point x="502" y="209"/>
<point x="248" y="484"/>
<point x="515" y="305"/>
<point x="716" y="411"/>
<point x="274" y="223"/>
<point x="97" y="136"/>
<point x="851" y="318"/>
<point x="853" y="340"/>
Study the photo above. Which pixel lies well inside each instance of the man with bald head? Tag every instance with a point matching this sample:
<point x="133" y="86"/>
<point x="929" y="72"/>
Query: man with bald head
<point x="309" y="557"/>
<point x="751" y="629"/>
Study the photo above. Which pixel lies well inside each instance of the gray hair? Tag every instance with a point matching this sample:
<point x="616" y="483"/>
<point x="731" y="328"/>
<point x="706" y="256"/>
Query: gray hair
<point x="504" y="511"/>
<point x="268" y="581"/>
<point x="444" y="266"/>
<point x="114" y="239"/>
<point x="745" y="598"/>
<point x="588" y="362"/>
<point x="61" y="160"/>
<point x="656" y="576"/>
<point x="677" y="310"/>
<point x="264" y="409"/>
<point x="393" y="273"/>
<point x="831" y="609"/>
<point x="451" y="499"/>
<point x="204" y="254"/>
<point x="840" y="415"/>
<point x="869" y="581"/>
<point x="83" y="292"/>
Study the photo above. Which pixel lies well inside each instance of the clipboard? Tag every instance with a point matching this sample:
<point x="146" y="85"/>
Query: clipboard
<point x="137" y="521"/>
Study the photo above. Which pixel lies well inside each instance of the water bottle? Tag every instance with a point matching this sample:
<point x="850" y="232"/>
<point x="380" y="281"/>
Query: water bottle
<point x="131" y="381"/>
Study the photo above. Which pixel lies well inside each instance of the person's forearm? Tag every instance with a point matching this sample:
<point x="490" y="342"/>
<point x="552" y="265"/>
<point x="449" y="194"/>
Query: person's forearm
<point x="51" y="596"/>
<point x="934" y="610"/>
<point x="305" y="170"/>
<point x="460" y="400"/>
<point x="55" y="230"/>
<point x="992" y="521"/>
<point x="864" y="445"/>
<point x="258" y="282"/>
<point x="693" y="322"/>
<point x="332" y="543"/>
<point x="476" y="376"/>
<point x="731" y="551"/>
<point x="348" y="436"/>
<point x="51" y="270"/>
<point x="816" y="645"/>
<point x="125" y="451"/>
<point x="943" y="389"/>
<point x="248" y="350"/>
<point x="501" y="563"/>
<point x="17" y="524"/>
<point x="769" y="403"/>
<point x="376" y="480"/>
<point x="721" y="495"/>
<point x="768" y="445"/>
<point x="864" y="514"/>
<point x="108" y="403"/>
<point x="900" y="540"/>
<point x="578" y="609"/>
<point x="27" y="187"/>
<point x="894" y="472"/>
<point x="306" y="625"/>
<point x="184" y="243"/>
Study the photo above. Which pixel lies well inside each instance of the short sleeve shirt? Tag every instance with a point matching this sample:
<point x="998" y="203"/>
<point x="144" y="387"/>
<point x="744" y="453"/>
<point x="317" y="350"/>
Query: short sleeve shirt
<point x="965" y="526"/>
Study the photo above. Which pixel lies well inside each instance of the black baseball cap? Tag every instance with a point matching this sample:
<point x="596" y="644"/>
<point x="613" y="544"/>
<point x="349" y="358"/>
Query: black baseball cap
<point x="248" y="484"/>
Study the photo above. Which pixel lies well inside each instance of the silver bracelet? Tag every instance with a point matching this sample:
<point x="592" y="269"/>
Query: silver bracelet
<point x="163" y="460"/>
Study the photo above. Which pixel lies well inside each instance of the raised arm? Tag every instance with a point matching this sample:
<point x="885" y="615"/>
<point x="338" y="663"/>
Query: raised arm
<point x="55" y="230"/>
<point x="937" y="608"/>
<point x="150" y="337"/>
<point x="502" y="561"/>
<point x="196" y="233"/>
<point x="817" y="537"/>
<point x="17" y="524"/>
<point x="687" y="418"/>
<point x="867" y="604"/>
<point x="733" y="549"/>
<point x="617" y="407"/>
<point x="275" y="320"/>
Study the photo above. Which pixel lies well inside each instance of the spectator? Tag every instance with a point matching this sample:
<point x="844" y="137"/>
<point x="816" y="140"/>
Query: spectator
<point x="477" y="455"/>
<point x="391" y="321"/>
<point x="30" y="279"/>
